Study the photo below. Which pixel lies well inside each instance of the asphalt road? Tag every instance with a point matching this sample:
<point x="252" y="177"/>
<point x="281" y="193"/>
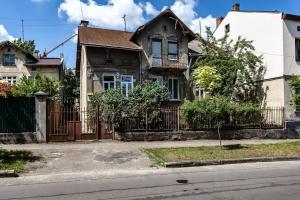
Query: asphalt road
<point x="263" y="181"/>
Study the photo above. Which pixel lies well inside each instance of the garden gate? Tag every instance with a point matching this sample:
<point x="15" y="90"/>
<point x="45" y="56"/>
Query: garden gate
<point x="69" y="123"/>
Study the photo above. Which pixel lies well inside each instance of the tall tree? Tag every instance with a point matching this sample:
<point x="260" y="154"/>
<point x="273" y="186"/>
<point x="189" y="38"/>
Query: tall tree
<point x="241" y="70"/>
<point x="28" y="45"/>
<point x="70" y="87"/>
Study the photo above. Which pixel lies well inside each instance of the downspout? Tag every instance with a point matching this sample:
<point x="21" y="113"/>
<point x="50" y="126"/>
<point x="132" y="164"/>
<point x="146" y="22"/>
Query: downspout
<point x="141" y="73"/>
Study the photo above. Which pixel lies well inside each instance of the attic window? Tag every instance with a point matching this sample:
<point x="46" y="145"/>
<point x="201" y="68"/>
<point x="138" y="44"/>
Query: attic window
<point x="227" y="28"/>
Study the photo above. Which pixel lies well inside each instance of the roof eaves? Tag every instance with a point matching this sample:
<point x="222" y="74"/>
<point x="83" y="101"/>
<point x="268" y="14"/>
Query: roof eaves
<point x="111" y="46"/>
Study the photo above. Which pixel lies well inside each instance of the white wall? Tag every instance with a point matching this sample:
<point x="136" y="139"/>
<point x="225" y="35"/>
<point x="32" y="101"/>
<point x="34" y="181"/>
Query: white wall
<point x="266" y="32"/>
<point x="291" y="67"/>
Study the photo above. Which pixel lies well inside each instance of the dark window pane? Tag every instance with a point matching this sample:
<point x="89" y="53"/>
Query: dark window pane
<point x="175" y="96"/>
<point x="171" y="88"/>
<point x="297" y="47"/>
<point x="156" y="48"/>
<point x="172" y="47"/>
<point x="109" y="78"/>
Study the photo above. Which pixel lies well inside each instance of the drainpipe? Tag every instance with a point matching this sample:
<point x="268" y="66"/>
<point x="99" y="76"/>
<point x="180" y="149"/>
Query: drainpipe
<point x="141" y="73"/>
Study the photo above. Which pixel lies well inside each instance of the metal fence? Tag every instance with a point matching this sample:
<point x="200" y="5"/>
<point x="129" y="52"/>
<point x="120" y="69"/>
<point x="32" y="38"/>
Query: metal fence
<point x="17" y="114"/>
<point x="171" y="119"/>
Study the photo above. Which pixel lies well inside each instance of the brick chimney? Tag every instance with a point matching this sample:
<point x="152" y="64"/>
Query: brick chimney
<point x="236" y="7"/>
<point x="84" y="23"/>
<point x="219" y="21"/>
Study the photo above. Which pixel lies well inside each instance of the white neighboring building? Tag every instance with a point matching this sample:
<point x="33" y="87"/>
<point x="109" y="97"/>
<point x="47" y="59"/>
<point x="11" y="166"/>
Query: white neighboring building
<point x="276" y="36"/>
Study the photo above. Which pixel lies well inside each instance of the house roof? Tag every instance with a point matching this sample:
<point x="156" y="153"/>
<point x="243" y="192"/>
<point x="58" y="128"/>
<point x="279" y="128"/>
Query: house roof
<point x="47" y="62"/>
<point x="291" y="17"/>
<point x="194" y="45"/>
<point x="106" y="38"/>
<point x="178" y="24"/>
<point x="12" y="45"/>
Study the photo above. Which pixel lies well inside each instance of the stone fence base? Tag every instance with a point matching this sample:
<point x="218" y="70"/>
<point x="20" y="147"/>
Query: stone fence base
<point x="198" y="135"/>
<point x="18" y="138"/>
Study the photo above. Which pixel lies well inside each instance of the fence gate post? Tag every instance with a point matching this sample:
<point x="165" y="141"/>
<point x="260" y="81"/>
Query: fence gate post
<point x="40" y="116"/>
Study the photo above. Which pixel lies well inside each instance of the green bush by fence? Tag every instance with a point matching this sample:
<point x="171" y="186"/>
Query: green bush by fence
<point x="17" y="114"/>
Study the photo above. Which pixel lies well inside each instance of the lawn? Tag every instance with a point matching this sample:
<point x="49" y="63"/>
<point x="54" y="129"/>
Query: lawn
<point x="162" y="155"/>
<point x="15" y="159"/>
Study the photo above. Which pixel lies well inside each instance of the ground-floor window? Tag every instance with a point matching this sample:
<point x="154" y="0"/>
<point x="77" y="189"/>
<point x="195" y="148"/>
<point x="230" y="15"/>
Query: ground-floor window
<point x="200" y="93"/>
<point x="10" y="79"/>
<point x="109" y="82"/>
<point x="158" y="79"/>
<point x="126" y="84"/>
<point x="173" y="89"/>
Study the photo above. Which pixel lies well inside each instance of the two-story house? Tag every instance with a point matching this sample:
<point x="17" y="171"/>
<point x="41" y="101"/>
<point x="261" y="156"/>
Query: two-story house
<point x="275" y="36"/>
<point x="156" y="51"/>
<point x="15" y="62"/>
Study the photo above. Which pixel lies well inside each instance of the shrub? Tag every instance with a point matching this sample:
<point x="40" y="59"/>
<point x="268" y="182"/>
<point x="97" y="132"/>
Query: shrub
<point x="217" y="111"/>
<point x="115" y="106"/>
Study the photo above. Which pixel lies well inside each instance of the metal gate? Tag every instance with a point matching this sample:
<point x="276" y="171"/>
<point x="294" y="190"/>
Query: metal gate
<point x="72" y="123"/>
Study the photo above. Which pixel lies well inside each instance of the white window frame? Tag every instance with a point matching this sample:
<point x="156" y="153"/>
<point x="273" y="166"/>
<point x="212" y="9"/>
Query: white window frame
<point x="103" y="82"/>
<point x="159" y="79"/>
<point x="127" y="83"/>
<point x="200" y="91"/>
<point x="171" y="97"/>
<point x="9" y="64"/>
<point x="10" y="79"/>
<point x="173" y="42"/>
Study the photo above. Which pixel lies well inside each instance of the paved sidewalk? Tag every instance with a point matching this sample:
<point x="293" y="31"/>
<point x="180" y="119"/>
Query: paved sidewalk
<point x="105" y="155"/>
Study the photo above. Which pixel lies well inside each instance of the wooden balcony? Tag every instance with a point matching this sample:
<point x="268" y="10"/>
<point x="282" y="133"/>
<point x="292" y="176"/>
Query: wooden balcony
<point x="164" y="65"/>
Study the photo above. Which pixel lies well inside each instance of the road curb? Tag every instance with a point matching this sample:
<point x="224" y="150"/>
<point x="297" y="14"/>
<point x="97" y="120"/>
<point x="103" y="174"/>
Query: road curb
<point x="8" y="173"/>
<point x="228" y="161"/>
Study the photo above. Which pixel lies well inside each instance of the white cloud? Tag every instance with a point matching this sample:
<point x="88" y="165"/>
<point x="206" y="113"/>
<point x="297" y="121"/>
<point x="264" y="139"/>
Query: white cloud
<point x="109" y="15"/>
<point x="185" y="10"/>
<point x="4" y="35"/>
<point x="150" y="9"/>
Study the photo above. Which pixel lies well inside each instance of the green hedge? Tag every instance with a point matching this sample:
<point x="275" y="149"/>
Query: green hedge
<point x="219" y="111"/>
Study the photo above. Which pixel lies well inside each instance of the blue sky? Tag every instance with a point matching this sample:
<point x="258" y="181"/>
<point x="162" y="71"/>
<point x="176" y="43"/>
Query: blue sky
<point x="49" y="22"/>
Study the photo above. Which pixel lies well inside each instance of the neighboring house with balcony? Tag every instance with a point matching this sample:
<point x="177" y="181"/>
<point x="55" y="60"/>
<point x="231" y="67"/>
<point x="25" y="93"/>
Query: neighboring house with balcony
<point x="15" y="62"/>
<point x="156" y="51"/>
<point x="275" y="36"/>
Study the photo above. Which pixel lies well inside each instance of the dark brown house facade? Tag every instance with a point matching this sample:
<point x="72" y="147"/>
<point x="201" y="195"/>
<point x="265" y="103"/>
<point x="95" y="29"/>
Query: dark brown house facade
<point x="156" y="51"/>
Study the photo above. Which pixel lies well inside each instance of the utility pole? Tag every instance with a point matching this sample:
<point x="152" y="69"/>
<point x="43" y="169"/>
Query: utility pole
<point x="124" y="18"/>
<point x="200" y="27"/>
<point x="22" y="29"/>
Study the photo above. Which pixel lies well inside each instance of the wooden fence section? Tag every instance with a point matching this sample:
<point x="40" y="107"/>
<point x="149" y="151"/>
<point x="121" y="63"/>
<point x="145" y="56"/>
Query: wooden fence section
<point x="171" y="119"/>
<point x="17" y="114"/>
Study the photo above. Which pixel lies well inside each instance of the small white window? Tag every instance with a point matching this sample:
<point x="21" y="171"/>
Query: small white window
<point x="158" y="79"/>
<point x="10" y="79"/>
<point x="126" y="84"/>
<point x="227" y="28"/>
<point x="109" y="82"/>
<point x="173" y="89"/>
<point x="200" y="93"/>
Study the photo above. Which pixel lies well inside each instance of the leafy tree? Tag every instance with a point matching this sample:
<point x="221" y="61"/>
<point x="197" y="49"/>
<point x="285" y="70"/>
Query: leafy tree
<point x="240" y="69"/>
<point x="295" y="85"/>
<point x="207" y="78"/>
<point x="27" y="87"/>
<point x="28" y="45"/>
<point x="70" y="87"/>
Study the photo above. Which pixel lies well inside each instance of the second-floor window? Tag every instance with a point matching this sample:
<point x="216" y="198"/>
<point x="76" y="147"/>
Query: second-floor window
<point x="172" y="51"/>
<point x="297" y="47"/>
<point x="156" y="51"/>
<point x="9" y="59"/>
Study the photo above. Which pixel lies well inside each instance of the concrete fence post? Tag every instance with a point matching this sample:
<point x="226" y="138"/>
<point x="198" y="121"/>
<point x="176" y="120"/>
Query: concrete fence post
<point x="40" y="116"/>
